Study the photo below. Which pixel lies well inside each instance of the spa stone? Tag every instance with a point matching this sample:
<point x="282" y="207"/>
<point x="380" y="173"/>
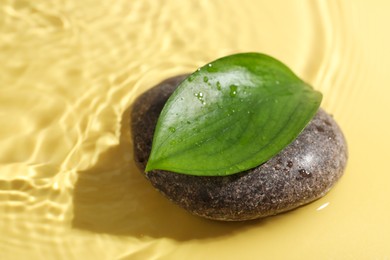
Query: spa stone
<point x="301" y="173"/>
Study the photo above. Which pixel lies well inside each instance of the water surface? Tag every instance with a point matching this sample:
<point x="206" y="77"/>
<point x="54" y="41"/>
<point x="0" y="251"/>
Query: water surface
<point x="69" y="72"/>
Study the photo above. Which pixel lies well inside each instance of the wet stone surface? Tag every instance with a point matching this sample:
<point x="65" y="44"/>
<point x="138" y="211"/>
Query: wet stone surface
<point x="303" y="172"/>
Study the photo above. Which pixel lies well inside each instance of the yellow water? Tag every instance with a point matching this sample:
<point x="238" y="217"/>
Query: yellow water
<point x="70" y="70"/>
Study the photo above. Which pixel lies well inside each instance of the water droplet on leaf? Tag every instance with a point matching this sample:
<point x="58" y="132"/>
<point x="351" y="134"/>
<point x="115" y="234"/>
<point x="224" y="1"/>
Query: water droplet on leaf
<point x="233" y="90"/>
<point x="219" y="87"/>
<point x="200" y="97"/>
<point x="210" y="68"/>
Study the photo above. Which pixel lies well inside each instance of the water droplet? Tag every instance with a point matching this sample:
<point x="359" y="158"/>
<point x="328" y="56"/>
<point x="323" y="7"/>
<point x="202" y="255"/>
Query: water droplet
<point x="290" y="164"/>
<point x="172" y="129"/>
<point x="200" y="97"/>
<point x="191" y="77"/>
<point x="181" y="98"/>
<point x="233" y="90"/>
<point x="219" y="87"/>
<point x="320" y="129"/>
<point x="210" y="68"/>
<point x="304" y="173"/>
<point x="205" y="79"/>
<point x="188" y="122"/>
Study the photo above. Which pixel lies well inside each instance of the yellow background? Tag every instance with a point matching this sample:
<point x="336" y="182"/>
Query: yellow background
<point x="69" y="71"/>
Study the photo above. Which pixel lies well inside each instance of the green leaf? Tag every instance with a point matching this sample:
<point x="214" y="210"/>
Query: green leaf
<point x="231" y="115"/>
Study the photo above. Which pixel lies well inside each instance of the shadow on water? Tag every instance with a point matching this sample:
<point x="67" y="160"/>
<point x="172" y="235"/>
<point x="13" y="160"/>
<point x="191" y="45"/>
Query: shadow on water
<point x="113" y="197"/>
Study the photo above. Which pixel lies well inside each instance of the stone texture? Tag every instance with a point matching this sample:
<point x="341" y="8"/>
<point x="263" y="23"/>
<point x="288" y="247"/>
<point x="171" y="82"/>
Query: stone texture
<point x="303" y="172"/>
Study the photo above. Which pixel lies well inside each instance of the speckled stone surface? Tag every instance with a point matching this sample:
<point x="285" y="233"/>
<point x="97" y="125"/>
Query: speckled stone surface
<point x="303" y="172"/>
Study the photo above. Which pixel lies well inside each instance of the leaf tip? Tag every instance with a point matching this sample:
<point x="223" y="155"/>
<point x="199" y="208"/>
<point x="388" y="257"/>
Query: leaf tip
<point x="149" y="166"/>
<point x="153" y="164"/>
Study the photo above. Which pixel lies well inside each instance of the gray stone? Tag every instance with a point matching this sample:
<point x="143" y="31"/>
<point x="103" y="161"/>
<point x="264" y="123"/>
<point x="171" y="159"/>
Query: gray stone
<point x="301" y="173"/>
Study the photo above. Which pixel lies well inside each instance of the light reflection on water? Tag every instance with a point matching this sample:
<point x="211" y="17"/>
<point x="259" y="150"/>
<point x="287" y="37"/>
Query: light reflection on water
<point x="70" y="71"/>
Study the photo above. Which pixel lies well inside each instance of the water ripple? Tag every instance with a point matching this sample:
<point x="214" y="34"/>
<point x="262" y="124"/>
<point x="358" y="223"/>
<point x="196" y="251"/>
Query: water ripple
<point x="70" y="71"/>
